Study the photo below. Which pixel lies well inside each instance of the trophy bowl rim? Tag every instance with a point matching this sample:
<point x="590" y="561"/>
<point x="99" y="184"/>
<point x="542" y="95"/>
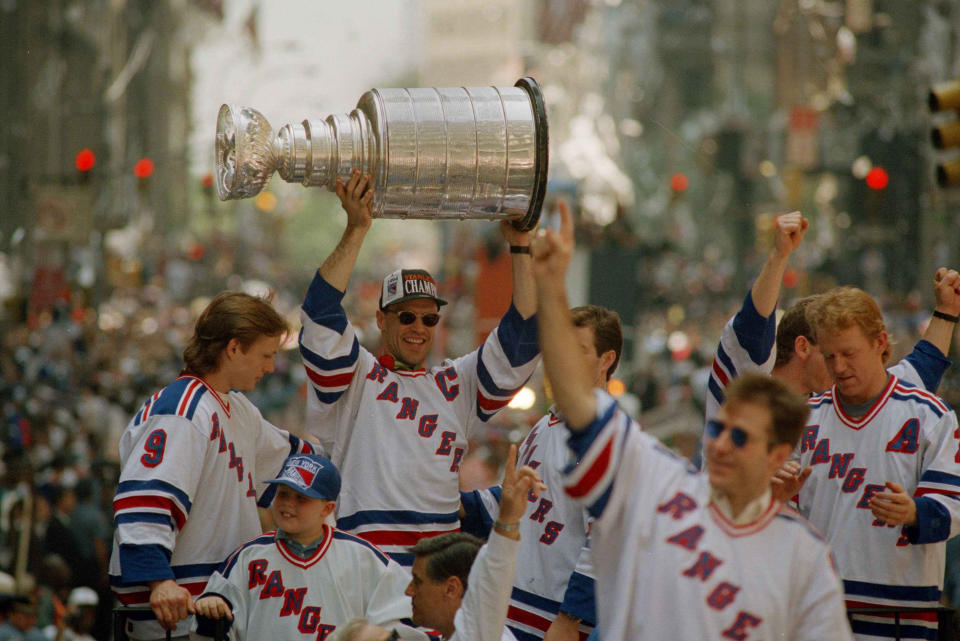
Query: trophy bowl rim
<point x="542" y="152"/>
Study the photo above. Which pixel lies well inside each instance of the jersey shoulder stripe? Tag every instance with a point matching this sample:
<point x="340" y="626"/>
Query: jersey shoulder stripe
<point x="179" y="398"/>
<point x="909" y="391"/>
<point x="349" y="538"/>
<point x="264" y="540"/>
<point x="333" y="363"/>
<point x="819" y="400"/>
<point x="789" y="514"/>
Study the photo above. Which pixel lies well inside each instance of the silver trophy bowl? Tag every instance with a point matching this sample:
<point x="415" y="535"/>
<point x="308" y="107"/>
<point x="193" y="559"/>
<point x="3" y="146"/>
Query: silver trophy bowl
<point x="444" y="153"/>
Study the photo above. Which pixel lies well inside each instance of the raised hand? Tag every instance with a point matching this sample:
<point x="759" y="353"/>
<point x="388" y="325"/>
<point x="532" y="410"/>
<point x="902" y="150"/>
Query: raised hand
<point x="552" y="250"/>
<point x="356" y="197"/>
<point x="517" y="485"/>
<point x="789" y="232"/>
<point x="946" y="289"/>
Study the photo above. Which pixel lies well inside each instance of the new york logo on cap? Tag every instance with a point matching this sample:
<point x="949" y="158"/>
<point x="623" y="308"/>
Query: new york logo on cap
<point x="301" y="471"/>
<point x="392" y="289"/>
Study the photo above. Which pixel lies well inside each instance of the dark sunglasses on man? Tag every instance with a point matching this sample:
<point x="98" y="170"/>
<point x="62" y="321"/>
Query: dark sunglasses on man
<point x="408" y="318"/>
<point x="738" y="436"/>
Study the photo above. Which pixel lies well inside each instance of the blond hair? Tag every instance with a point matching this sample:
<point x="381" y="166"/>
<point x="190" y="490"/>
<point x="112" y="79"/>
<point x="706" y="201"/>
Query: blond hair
<point x="845" y="307"/>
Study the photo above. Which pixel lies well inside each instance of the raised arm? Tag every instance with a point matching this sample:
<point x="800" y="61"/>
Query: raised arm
<point x="946" y="289"/>
<point x="788" y="235"/>
<point x="356" y="197"/>
<point x="524" y="289"/>
<point x="564" y="364"/>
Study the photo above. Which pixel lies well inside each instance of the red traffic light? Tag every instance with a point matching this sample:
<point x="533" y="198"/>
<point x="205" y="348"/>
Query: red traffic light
<point x="679" y="183"/>
<point x="85" y="160"/>
<point x="143" y="168"/>
<point x="877" y="178"/>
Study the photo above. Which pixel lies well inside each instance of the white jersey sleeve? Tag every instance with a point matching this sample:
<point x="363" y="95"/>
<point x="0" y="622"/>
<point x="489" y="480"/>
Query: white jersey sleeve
<point x="746" y="344"/>
<point x="331" y="354"/>
<point x="483" y="611"/>
<point x="923" y="367"/>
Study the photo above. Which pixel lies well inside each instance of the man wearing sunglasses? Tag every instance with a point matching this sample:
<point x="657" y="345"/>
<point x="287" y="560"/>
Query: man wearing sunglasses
<point x="396" y="430"/>
<point x="679" y="554"/>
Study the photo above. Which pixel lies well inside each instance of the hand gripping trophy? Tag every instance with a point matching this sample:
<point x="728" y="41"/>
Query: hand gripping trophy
<point x="465" y="152"/>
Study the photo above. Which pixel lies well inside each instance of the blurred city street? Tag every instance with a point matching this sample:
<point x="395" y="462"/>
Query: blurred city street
<point x="678" y="131"/>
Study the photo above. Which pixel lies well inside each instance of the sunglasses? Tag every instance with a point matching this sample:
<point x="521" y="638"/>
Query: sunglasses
<point x="738" y="436"/>
<point x="408" y="318"/>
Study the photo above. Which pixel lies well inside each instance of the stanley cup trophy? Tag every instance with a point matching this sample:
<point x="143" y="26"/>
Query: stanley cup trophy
<point x="465" y="152"/>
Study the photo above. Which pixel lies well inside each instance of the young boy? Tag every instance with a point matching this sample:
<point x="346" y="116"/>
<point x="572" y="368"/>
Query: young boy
<point x="306" y="578"/>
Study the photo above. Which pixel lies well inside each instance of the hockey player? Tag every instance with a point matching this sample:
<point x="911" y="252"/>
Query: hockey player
<point x="553" y="590"/>
<point x="307" y="578"/>
<point x="676" y="552"/>
<point x="192" y="459"/>
<point x="884" y="486"/>
<point x="371" y="413"/>
<point x="460" y="587"/>
<point x="754" y="341"/>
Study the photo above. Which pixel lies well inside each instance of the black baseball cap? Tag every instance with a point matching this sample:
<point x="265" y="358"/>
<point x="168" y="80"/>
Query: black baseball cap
<point x="407" y="284"/>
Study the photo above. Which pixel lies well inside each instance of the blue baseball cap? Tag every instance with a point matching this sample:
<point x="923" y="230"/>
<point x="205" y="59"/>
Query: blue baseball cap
<point x="311" y="475"/>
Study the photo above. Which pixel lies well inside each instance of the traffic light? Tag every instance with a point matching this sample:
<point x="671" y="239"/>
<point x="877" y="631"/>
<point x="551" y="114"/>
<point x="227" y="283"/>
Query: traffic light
<point x="84" y="162"/>
<point x="143" y="168"/>
<point x="877" y="179"/>
<point x="679" y="183"/>
<point x="945" y="97"/>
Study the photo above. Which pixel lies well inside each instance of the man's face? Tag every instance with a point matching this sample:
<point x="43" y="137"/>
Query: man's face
<point x="816" y="378"/>
<point x="247" y="367"/>
<point x="431" y="607"/>
<point x="741" y="472"/>
<point x="855" y="362"/>
<point x="408" y="343"/>
<point x="586" y="340"/>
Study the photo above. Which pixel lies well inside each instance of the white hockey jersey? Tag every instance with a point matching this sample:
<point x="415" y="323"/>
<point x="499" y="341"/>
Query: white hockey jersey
<point x="192" y="466"/>
<point x="909" y="437"/>
<point x="484" y="607"/>
<point x="746" y="344"/>
<point x="398" y="437"/>
<point x="275" y="594"/>
<point x="671" y="566"/>
<point x="553" y="565"/>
